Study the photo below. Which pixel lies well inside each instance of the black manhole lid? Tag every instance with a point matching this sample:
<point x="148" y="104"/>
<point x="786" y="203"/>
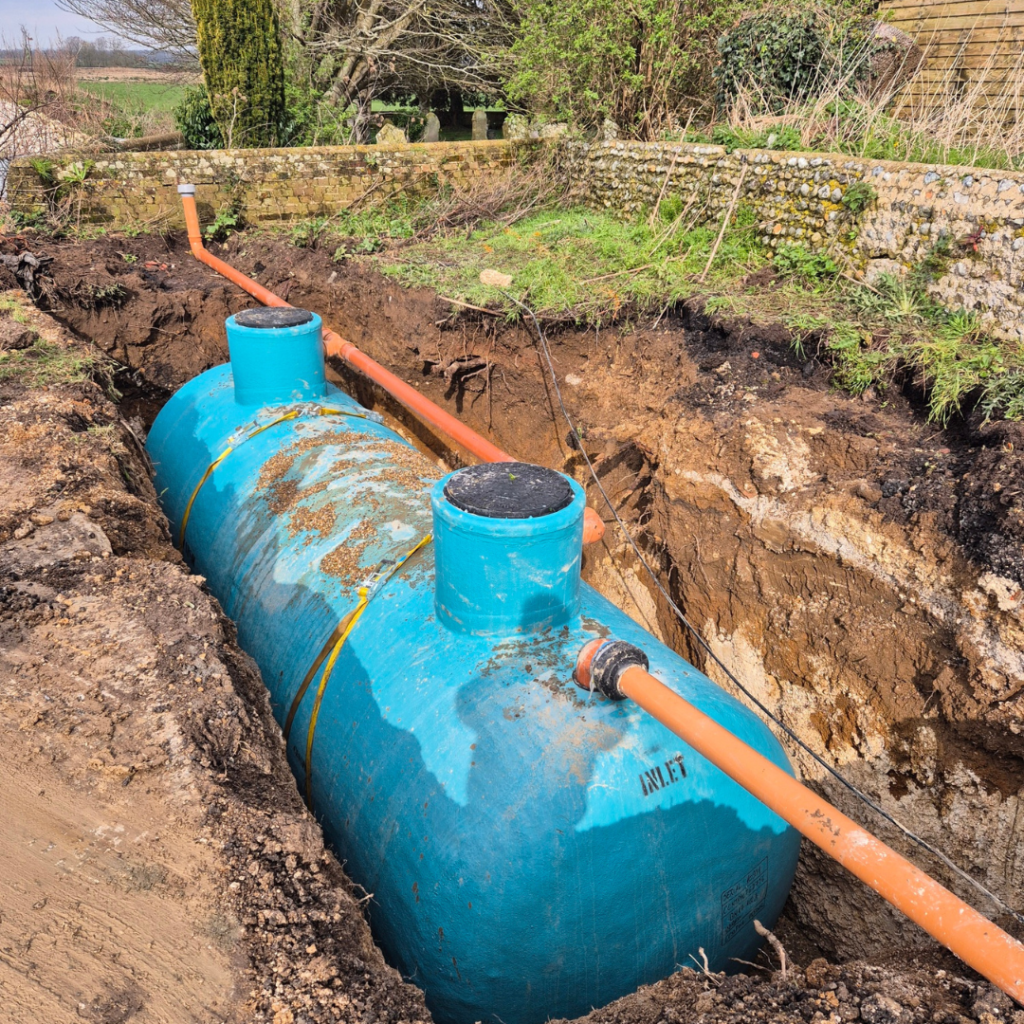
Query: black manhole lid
<point x="508" y="490"/>
<point x="268" y="318"/>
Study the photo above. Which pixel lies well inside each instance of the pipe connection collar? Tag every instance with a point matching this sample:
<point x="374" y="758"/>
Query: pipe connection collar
<point x="600" y="665"/>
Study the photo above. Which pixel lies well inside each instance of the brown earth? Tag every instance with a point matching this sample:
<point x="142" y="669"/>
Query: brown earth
<point x="858" y="568"/>
<point x="158" y="864"/>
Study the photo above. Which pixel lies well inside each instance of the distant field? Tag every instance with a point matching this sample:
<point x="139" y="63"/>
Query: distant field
<point x="135" y="75"/>
<point x="157" y="97"/>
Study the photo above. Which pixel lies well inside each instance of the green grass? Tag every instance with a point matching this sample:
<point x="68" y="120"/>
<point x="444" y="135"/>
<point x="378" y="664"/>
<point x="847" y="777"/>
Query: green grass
<point x="579" y="265"/>
<point x="157" y="97"/>
<point x="13" y="310"/>
<point x="45" y="364"/>
<point x="872" y="338"/>
<point x="585" y="267"/>
<point x="856" y="129"/>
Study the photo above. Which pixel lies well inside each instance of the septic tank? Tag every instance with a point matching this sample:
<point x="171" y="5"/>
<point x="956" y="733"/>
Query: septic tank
<point x="533" y="849"/>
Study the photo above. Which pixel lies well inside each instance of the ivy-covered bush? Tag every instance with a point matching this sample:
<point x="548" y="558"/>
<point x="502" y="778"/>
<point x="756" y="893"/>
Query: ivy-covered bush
<point x="193" y="117"/>
<point x="780" y="59"/>
<point x="777" y="57"/>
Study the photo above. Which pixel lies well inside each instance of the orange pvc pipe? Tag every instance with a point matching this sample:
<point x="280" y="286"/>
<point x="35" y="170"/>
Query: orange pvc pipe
<point x="959" y="927"/>
<point x="335" y="345"/>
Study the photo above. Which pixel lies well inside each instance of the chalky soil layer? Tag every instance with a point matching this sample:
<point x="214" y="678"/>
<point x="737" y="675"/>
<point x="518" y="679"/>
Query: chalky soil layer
<point x="858" y="569"/>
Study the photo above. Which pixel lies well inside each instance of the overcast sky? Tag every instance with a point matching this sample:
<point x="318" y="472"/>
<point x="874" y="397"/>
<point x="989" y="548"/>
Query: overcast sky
<point x="44" y="21"/>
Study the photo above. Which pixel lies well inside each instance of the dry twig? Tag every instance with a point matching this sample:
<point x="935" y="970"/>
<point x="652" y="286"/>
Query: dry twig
<point x="776" y="945"/>
<point x="653" y="219"/>
<point x="725" y="224"/>
<point x="468" y="305"/>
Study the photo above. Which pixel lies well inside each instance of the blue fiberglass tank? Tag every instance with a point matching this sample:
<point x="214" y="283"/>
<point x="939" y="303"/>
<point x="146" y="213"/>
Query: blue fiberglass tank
<point x="533" y="850"/>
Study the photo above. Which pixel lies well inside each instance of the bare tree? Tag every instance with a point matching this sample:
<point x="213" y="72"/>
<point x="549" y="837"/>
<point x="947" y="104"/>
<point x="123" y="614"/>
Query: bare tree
<point x="358" y="49"/>
<point x="165" y="26"/>
<point x="351" y="50"/>
<point x="38" y="112"/>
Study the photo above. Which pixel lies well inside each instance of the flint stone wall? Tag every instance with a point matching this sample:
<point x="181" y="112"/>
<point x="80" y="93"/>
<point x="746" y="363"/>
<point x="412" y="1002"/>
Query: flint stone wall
<point x="799" y="198"/>
<point x="266" y="186"/>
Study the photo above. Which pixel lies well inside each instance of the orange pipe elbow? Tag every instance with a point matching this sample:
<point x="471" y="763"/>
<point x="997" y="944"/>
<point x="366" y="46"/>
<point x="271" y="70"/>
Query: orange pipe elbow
<point x="335" y="345"/>
<point x="959" y="927"/>
<point x="593" y="526"/>
<point x="195" y="243"/>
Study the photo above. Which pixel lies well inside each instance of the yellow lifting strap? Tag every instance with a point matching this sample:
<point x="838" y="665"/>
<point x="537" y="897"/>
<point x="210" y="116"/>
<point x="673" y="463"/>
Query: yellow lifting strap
<point x="330" y="652"/>
<point x="294" y="414"/>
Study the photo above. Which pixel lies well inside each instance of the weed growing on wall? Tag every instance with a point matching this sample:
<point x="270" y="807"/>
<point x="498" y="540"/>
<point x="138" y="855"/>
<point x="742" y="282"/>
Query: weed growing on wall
<point x="62" y="186"/>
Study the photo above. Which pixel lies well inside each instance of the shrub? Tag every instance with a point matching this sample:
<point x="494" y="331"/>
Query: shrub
<point x="193" y="117"/>
<point x="641" y="64"/>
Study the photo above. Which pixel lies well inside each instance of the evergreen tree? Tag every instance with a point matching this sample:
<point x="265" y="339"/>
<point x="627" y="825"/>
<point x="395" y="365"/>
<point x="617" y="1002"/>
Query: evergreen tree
<point x="240" y="53"/>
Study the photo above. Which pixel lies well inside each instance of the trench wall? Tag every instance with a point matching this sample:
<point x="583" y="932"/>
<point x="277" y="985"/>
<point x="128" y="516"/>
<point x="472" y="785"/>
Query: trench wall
<point x="873" y="216"/>
<point x="265" y="186"/>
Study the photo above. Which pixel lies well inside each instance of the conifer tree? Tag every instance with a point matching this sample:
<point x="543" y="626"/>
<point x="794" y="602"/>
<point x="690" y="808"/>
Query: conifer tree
<point x="240" y="53"/>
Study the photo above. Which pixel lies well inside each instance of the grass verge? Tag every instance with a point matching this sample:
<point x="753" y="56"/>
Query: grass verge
<point x="579" y="266"/>
<point x="575" y="265"/>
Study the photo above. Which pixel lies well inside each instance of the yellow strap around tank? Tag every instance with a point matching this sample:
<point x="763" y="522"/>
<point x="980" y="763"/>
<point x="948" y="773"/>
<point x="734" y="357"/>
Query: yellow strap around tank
<point x="330" y="652"/>
<point x="295" y="413"/>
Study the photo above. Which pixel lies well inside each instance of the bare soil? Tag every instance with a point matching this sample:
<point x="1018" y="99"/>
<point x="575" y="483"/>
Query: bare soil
<point x="858" y="568"/>
<point x="175" y="77"/>
<point x="158" y="864"/>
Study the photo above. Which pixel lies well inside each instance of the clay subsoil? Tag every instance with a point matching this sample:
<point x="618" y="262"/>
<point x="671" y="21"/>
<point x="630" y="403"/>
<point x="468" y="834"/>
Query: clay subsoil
<point x="858" y="568"/>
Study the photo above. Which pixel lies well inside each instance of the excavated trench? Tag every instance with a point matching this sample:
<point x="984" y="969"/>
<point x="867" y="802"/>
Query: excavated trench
<point x="860" y="570"/>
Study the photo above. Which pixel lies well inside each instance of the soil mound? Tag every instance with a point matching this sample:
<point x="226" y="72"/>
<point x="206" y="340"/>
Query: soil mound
<point x="158" y="862"/>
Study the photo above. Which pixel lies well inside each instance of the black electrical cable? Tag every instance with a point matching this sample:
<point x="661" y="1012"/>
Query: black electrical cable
<point x="923" y="843"/>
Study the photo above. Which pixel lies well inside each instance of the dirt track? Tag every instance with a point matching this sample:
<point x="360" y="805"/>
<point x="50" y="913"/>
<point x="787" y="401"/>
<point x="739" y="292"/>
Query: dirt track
<point x="827" y="542"/>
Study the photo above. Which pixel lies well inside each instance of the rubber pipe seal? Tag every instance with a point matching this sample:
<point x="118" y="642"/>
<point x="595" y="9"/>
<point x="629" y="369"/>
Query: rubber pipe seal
<point x="606" y="666"/>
